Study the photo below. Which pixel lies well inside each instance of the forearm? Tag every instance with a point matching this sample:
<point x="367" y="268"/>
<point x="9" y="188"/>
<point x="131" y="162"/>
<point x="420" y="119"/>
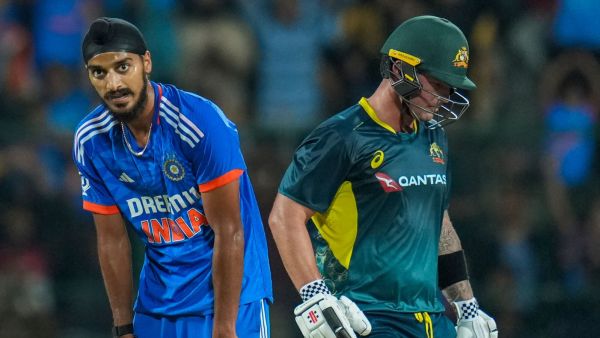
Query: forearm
<point x="288" y="226"/>
<point x="449" y="244"/>
<point x="115" y="263"/>
<point x="296" y="251"/>
<point x="228" y="269"/>
<point x="449" y="240"/>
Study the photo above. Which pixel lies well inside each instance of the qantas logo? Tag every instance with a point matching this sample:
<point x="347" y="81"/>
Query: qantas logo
<point x="387" y="183"/>
<point x="390" y="185"/>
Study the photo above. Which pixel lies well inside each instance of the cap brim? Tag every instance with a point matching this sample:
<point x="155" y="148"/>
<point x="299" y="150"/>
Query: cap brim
<point x="460" y="82"/>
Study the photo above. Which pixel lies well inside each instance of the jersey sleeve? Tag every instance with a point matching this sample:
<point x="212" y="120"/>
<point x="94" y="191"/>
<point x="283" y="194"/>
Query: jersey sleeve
<point x="95" y="195"/>
<point x="217" y="159"/>
<point x="319" y="167"/>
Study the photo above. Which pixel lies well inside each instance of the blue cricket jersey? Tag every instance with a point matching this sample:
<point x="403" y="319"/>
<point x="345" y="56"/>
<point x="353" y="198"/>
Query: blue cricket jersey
<point x="192" y="148"/>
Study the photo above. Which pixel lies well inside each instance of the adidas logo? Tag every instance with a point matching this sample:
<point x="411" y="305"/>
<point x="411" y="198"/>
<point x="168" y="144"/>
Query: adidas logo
<point x="125" y="178"/>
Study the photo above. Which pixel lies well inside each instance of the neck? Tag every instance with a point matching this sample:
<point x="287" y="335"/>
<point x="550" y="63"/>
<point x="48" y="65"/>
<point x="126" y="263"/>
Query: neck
<point x="389" y="107"/>
<point x="140" y="127"/>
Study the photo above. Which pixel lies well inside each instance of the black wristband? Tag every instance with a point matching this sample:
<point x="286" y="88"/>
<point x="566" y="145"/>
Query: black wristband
<point x="452" y="268"/>
<point x="122" y="330"/>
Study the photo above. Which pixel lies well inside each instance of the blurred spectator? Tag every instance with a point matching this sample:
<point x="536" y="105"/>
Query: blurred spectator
<point x="156" y="19"/>
<point x="570" y="94"/>
<point x="218" y="54"/>
<point x="592" y="238"/>
<point x="487" y="72"/>
<point x="65" y="102"/>
<point x="262" y="61"/>
<point x="576" y="24"/>
<point x="351" y="64"/>
<point x="517" y="259"/>
<point x="26" y="298"/>
<point x="58" y="27"/>
<point x="291" y="34"/>
<point x="15" y="53"/>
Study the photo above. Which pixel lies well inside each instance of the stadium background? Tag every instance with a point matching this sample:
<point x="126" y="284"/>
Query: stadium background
<point x="525" y="163"/>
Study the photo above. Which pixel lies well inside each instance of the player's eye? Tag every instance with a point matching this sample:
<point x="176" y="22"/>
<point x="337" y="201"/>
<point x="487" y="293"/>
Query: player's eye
<point x="97" y="73"/>
<point x="123" y="67"/>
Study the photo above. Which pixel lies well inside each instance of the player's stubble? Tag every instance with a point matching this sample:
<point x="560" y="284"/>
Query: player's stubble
<point x="134" y="112"/>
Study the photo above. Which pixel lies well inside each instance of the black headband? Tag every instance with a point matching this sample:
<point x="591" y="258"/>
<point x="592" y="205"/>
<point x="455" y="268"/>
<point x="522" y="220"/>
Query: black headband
<point x="112" y="35"/>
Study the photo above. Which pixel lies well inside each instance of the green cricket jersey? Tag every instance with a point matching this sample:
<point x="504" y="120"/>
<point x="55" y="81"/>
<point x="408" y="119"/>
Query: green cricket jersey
<point x="379" y="197"/>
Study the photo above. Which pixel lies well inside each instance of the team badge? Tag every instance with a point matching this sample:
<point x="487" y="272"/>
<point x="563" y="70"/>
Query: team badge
<point x="462" y="58"/>
<point x="173" y="170"/>
<point x="436" y="153"/>
<point x="377" y="159"/>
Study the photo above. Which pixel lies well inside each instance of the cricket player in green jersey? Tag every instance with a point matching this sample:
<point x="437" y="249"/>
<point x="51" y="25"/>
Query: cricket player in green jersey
<point x="361" y="218"/>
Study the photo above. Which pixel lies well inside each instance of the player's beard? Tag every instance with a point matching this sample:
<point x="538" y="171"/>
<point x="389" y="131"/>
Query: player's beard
<point x="136" y="110"/>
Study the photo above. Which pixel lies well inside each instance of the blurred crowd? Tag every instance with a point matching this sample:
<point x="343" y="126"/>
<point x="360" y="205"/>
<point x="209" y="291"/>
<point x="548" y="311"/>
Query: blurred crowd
<point x="526" y="178"/>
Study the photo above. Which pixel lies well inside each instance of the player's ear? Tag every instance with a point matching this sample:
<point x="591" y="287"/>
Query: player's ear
<point x="147" y="61"/>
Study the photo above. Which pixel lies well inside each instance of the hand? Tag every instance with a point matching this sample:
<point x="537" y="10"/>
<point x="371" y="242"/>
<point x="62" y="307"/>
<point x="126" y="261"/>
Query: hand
<point x="472" y="322"/>
<point x="324" y="316"/>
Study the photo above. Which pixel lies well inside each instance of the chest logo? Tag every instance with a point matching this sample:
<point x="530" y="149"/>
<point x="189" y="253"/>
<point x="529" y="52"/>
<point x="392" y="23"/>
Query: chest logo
<point x="377" y="159"/>
<point x="436" y="153"/>
<point x="387" y="183"/>
<point x="173" y="170"/>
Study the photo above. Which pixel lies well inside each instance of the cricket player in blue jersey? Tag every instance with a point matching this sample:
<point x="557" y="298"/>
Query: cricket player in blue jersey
<point x="372" y="185"/>
<point x="168" y="163"/>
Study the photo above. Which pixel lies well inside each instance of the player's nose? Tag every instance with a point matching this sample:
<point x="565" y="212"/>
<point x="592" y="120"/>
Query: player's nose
<point x="113" y="81"/>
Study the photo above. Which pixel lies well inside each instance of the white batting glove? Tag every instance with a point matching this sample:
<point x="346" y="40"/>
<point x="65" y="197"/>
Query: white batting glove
<point x="324" y="316"/>
<point x="472" y="322"/>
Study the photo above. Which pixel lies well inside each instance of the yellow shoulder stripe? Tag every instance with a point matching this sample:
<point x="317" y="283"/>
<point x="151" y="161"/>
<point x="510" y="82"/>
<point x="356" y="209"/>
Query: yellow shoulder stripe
<point x="364" y="103"/>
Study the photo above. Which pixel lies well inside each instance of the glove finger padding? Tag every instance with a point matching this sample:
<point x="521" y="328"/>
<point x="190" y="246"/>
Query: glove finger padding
<point x="491" y="323"/>
<point x="358" y="320"/>
<point x="322" y="317"/>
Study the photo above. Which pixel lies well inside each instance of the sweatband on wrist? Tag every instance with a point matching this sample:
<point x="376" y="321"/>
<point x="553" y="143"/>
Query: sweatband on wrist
<point x="313" y="288"/>
<point x="452" y="268"/>
<point x="122" y="330"/>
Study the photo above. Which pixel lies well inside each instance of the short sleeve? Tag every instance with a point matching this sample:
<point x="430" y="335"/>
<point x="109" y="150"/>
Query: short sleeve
<point x="319" y="167"/>
<point x="95" y="195"/>
<point x="217" y="159"/>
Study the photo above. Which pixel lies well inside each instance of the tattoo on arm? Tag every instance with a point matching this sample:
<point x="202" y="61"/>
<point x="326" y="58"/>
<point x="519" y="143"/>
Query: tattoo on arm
<point x="458" y="291"/>
<point x="449" y="241"/>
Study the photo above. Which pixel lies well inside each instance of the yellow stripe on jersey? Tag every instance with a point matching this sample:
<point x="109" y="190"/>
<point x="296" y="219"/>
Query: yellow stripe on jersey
<point x="339" y="224"/>
<point x="424" y="316"/>
<point x="367" y="107"/>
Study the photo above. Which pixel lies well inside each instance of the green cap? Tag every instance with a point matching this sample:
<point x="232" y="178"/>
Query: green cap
<point x="435" y="46"/>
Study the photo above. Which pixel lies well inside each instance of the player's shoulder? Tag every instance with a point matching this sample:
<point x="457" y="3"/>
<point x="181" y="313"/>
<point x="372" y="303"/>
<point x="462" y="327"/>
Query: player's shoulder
<point x="99" y="121"/>
<point x="192" y="116"/>
<point x="343" y="123"/>
<point x="185" y="102"/>
<point x="97" y="116"/>
<point x="178" y="104"/>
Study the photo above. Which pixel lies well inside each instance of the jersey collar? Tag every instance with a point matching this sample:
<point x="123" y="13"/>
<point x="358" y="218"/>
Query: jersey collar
<point x="364" y="103"/>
